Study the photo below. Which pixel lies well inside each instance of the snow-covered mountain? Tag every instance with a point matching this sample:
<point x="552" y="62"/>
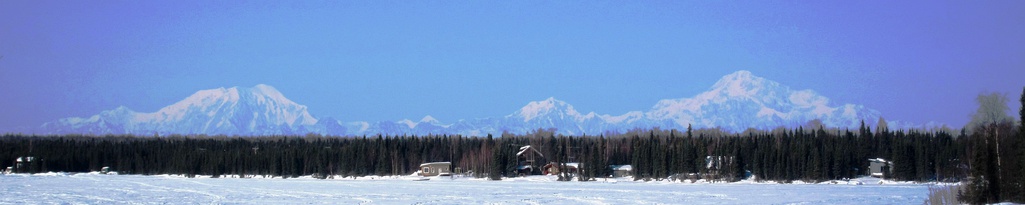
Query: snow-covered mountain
<point x="260" y="110"/>
<point x="735" y="103"/>
<point x="741" y="100"/>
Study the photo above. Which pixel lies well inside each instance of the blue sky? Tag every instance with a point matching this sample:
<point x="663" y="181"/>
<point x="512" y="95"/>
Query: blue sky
<point x="390" y="60"/>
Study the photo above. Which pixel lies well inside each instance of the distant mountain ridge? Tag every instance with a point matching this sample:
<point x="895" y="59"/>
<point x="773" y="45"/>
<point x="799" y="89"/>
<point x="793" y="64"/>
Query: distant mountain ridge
<point x="736" y="102"/>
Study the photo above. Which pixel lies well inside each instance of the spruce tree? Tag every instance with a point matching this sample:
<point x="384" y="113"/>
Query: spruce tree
<point x="656" y="157"/>
<point x="495" y="170"/>
<point x="637" y="160"/>
<point x="603" y="163"/>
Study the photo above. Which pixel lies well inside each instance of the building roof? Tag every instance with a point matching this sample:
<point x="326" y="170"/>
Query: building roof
<point x="524" y="149"/>
<point x="625" y="167"/>
<point x="436" y="163"/>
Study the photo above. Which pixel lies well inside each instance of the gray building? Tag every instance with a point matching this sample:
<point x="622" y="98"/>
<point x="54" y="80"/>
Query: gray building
<point x="621" y="170"/>
<point x="877" y="165"/>
<point x="435" y="169"/>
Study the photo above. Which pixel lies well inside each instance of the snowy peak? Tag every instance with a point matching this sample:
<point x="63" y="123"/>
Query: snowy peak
<point x="744" y="84"/>
<point x="261" y="109"/>
<point x="267" y="92"/>
<point x="736" y="78"/>
<point x="260" y="101"/>
<point x="742" y="100"/>
<point x="259" y="92"/>
<point x="429" y="119"/>
<point x="550" y="106"/>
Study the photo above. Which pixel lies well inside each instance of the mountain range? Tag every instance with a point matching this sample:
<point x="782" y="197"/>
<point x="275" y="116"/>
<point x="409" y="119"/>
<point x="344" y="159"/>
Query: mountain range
<point x="736" y="102"/>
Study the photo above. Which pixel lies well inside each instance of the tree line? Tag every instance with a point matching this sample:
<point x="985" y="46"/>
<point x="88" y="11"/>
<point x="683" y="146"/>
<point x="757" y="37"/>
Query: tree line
<point x="781" y="155"/>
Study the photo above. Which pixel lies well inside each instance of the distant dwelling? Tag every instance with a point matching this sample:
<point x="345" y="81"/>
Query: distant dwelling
<point x="106" y="170"/>
<point x="877" y="165"/>
<point x="24" y="164"/>
<point x="435" y="169"/>
<point x="621" y="170"/>
<point x="527" y="160"/>
<point x="716" y="167"/>
<point x="553" y="168"/>
<point x="716" y="163"/>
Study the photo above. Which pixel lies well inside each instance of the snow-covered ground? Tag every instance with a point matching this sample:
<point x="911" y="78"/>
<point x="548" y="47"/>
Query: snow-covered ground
<point x="92" y="188"/>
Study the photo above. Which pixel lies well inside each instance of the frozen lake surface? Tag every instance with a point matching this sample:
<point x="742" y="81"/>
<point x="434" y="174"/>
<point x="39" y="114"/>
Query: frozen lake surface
<point x="108" y="189"/>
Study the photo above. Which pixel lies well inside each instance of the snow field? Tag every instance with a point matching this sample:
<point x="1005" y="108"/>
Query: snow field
<point x="118" y="189"/>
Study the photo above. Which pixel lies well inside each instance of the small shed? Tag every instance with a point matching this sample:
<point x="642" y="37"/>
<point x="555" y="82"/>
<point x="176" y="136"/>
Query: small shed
<point x="553" y="168"/>
<point x="435" y="169"/>
<point x="877" y="165"/>
<point x="621" y="170"/>
<point x="524" y="170"/>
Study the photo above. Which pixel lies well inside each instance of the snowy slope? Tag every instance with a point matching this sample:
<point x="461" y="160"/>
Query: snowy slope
<point x="736" y="102"/>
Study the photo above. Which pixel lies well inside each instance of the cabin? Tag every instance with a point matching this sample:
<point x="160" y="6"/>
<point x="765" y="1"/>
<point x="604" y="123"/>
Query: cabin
<point x="527" y="160"/>
<point x="716" y="166"/>
<point x="877" y="166"/>
<point x="718" y="162"/>
<point x="621" y="170"/>
<point x="553" y="168"/>
<point x="24" y="164"/>
<point x="435" y="169"/>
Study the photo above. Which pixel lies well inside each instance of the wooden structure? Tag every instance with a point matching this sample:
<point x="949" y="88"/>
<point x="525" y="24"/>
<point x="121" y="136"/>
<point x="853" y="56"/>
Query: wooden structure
<point x="527" y="160"/>
<point x="553" y="168"/>
<point x="435" y="169"/>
